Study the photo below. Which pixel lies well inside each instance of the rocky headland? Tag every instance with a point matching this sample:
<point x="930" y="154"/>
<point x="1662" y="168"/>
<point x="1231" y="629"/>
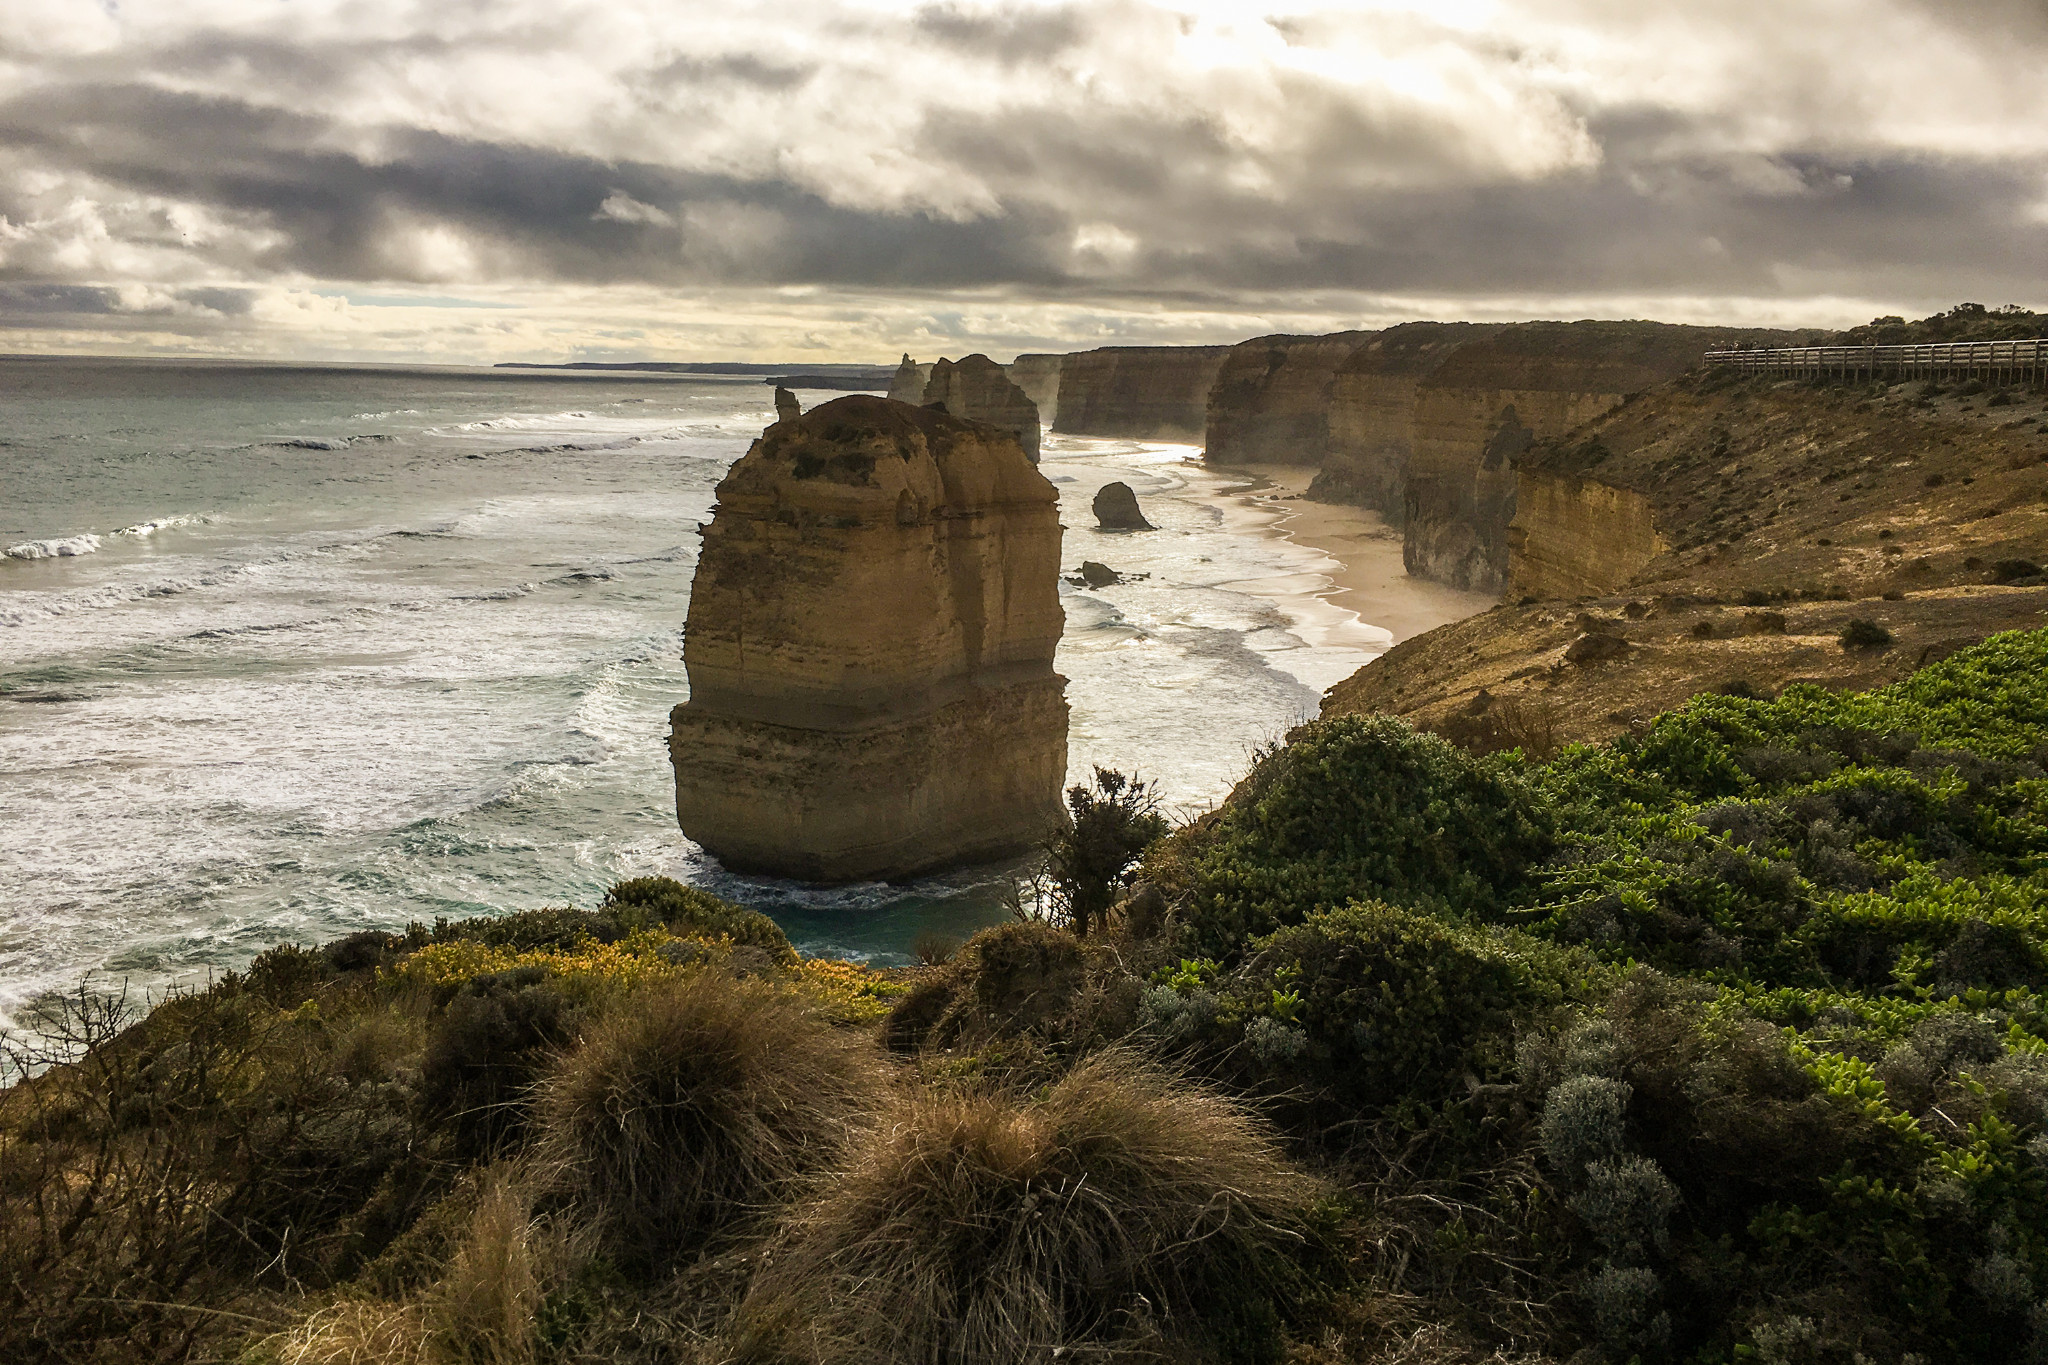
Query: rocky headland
<point x="1723" y="534"/>
<point x="1271" y="399"/>
<point x="1148" y="392"/>
<point x="870" y="648"/>
<point x="1039" y="377"/>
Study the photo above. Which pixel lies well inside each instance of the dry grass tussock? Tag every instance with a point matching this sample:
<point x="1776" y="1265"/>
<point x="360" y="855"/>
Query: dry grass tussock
<point x="354" y="1332"/>
<point x="1124" y="1213"/>
<point x="694" y="1109"/>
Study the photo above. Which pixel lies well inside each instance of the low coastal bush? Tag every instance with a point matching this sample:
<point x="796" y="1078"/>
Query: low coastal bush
<point x="692" y="1108"/>
<point x="1357" y="808"/>
<point x="1120" y="1212"/>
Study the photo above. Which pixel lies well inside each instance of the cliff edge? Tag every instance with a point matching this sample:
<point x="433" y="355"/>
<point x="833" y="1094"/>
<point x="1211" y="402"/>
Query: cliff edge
<point x="870" y="650"/>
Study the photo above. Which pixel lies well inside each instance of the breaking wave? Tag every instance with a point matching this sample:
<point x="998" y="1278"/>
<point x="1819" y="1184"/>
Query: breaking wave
<point x="61" y="548"/>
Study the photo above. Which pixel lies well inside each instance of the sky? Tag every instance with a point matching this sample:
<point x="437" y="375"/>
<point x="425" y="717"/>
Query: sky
<point x="543" y="180"/>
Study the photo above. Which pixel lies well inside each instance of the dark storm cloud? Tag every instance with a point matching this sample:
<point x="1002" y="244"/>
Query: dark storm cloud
<point x="343" y="215"/>
<point x="78" y="300"/>
<point x="1115" y="151"/>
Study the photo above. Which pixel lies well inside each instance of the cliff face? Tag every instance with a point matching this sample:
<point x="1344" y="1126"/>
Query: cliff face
<point x="1574" y="537"/>
<point x="1479" y="410"/>
<point x="908" y="384"/>
<point x="1149" y="392"/>
<point x="870" y="647"/>
<point x="976" y="388"/>
<point x="1725" y="530"/>
<point x="1039" y="377"/>
<point x="1372" y="414"/>
<point x="1271" y="401"/>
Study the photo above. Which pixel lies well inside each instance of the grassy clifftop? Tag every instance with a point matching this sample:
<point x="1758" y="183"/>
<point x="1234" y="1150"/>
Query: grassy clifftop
<point x="1723" y="1042"/>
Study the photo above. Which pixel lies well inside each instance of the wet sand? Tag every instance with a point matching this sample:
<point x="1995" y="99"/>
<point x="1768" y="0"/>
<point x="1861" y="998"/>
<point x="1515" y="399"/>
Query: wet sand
<point x="1363" y="569"/>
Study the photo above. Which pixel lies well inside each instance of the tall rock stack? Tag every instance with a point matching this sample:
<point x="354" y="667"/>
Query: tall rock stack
<point x="908" y="384"/>
<point x="975" y="387"/>
<point x="870" y="649"/>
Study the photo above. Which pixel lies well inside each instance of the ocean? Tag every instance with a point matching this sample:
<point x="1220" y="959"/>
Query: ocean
<point x="292" y="651"/>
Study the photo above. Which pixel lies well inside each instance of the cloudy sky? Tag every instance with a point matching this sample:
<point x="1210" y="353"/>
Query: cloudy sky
<point x="479" y="180"/>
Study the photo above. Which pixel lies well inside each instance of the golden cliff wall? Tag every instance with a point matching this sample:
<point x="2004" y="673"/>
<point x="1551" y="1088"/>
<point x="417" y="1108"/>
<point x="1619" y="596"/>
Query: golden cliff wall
<point x="870" y="648"/>
<point x="1372" y="414"/>
<point x="1479" y="411"/>
<point x="1576" y="537"/>
<point x="1149" y="392"/>
<point x="1271" y="400"/>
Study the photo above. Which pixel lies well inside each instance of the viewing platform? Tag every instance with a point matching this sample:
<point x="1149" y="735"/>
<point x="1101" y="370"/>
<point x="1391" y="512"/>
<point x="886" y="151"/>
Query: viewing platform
<point x="1994" y="362"/>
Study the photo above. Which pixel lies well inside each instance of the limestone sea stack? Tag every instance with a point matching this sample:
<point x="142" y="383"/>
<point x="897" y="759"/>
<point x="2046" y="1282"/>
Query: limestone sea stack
<point x="786" y="406"/>
<point x="975" y="387"/>
<point x="908" y="384"/>
<point x="870" y="650"/>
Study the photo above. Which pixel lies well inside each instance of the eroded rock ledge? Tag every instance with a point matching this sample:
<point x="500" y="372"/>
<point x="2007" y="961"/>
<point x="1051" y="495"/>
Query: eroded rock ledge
<point x="870" y="649"/>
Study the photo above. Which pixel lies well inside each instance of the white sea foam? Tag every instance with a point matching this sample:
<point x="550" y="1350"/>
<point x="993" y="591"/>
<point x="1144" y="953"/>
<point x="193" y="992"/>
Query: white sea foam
<point x="63" y="547"/>
<point x="150" y="528"/>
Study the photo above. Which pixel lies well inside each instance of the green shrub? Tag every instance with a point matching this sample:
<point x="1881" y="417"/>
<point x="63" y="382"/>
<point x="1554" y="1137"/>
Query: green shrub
<point x="685" y="909"/>
<point x="1358" y="808"/>
<point x="485" y="1051"/>
<point x="1387" y="1002"/>
<point x="1865" y="634"/>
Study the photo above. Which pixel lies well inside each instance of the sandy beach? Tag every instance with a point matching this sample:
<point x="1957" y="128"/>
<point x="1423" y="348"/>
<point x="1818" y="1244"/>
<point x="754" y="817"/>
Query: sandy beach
<point x="1363" y="568"/>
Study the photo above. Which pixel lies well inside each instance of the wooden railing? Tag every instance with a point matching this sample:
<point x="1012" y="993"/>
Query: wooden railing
<point x="2000" y="362"/>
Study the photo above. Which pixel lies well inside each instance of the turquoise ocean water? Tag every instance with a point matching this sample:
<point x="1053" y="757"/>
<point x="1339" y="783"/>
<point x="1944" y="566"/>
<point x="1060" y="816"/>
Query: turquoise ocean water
<point x="287" y="652"/>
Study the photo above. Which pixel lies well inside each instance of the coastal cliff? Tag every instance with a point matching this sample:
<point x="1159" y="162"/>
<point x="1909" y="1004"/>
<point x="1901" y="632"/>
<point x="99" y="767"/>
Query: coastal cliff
<point x="1372" y="414"/>
<point x="1483" y="407"/>
<point x="870" y="649"/>
<point x="976" y="388"/>
<point x="1575" y="537"/>
<point x="1039" y="377"/>
<point x="1147" y="392"/>
<point x="1271" y="400"/>
<point x="1724" y="533"/>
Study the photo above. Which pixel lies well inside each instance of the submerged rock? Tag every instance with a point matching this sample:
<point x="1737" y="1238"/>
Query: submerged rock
<point x="787" y="409"/>
<point x="1116" y="509"/>
<point x="870" y="650"/>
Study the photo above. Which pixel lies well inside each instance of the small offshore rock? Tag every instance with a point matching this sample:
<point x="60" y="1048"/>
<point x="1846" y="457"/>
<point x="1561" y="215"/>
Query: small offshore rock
<point x="1099" y="575"/>
<point x="786" y="407"/>
<point x="1116" y="509"/>
<point x="1592" y="648"/>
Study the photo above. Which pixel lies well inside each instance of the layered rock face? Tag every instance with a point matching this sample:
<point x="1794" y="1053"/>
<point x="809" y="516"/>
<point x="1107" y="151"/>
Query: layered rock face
<point x="1039" y="377"/>
<point x="908" y="384"/>
<point x="1156" y="393"/>
<point x="1576" y="537"/>
<point x="1372" y="414"/>
<point x="870" y="648"/>
<point x="1271" y="401"/>
<point x="976" y="388"/>
<point x="1489" y="400"/>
